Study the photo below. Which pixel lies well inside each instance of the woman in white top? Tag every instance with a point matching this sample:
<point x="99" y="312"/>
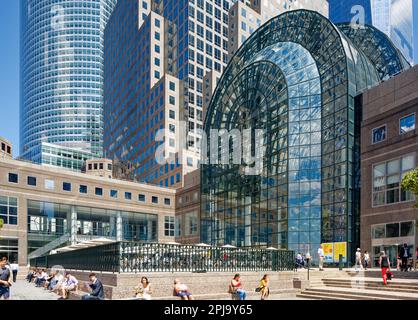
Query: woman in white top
<point x="144" y="290"/>
<point x="366" y="259"/>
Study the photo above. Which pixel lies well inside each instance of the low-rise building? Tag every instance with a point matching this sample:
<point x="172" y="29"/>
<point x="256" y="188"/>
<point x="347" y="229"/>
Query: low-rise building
<point x="389" y="146"/>
<point x="5" y="149"/>
<point x="188" y="209"/>
<point x="43" y="208"/>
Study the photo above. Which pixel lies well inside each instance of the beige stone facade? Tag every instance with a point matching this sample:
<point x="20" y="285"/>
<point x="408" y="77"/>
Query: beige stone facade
<point x="6" y="151"/>
<point x="119" y="210"/>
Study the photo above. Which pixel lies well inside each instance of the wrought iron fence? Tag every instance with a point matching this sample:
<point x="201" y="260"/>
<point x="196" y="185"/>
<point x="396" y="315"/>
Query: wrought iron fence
<point x="155" y="257"/>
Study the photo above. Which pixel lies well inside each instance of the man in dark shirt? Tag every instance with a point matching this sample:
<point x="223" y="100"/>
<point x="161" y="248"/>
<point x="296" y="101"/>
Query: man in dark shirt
<point x="5" y="281"/>
<point x="404" y="254"/>
<point x="97" y="292"/>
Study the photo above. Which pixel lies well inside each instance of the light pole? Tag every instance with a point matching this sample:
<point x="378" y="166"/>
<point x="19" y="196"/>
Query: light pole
<point x="308" y="260"/>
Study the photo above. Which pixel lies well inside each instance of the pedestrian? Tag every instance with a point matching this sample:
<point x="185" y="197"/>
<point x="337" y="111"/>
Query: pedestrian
<point x="15" y="268"/>
<point x="404" y="255"/>
<point x="96" y="286"/>
<point x="366" y="259"/>
<point x="143" y="291"/>
<point x="5" y="279"/>
<point x="384" y="263"/>
<point x="299" y="260"/>
<point x="236" y="287"/>
<point x="358" y="260"/>
<point x="181" y="290"/>
<point x="321" y="258"/>
<point x="69" y="284"/>
<point x="264" y="287"/>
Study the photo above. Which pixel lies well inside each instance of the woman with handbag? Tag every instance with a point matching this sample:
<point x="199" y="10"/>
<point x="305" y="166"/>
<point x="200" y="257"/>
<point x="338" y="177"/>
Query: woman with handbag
<point x="384" y="263"/>
<point x="264" y="287"/>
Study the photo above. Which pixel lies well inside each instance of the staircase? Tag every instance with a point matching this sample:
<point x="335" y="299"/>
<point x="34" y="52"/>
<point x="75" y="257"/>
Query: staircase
<point x="50" y="246"/>
<point x="360" y="288"/>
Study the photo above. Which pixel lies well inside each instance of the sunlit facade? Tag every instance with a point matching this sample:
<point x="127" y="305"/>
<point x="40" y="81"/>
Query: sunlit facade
<point x="296" y="79"/>
<point x="62" y="74"/>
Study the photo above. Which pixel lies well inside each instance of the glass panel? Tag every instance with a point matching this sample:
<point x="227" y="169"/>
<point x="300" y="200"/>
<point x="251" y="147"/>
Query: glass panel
<point x="392" y="230"/>
<point x="407" y="123"/>
<point x="407" y="229"/>
<point x="379" y="170"/>
<point x="379" y="232"/>
<point x="408" y="163"/>
<point x="393" y="167"/>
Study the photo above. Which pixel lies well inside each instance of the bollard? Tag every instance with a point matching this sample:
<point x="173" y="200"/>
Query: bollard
<point x="340" y="262"/>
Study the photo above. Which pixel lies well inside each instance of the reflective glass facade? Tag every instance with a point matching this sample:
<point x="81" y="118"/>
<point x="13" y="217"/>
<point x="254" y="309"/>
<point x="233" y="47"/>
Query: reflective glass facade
<point x="341" y="11"/>
<point x="62" y="74"/>
<point x="48" y="221"/>
<point x="297" y="79"/>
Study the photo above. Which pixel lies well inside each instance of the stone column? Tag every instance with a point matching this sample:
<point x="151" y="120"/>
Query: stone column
<point x="119" y="227"/>
<point x="73" y="225"/>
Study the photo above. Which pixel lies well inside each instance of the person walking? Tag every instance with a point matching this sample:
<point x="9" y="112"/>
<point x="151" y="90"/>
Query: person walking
<point x="358" y="260"/>
<point x="321" y="258"/>
<point x="404" y="255"/>
<point x="96" y="286"/>
<point x="15" y="268"/>
<point x="236" y="287"/>
<point x="366" y="259"/>
<point x="264" y="287"/>
<point x="5" y="279"/>
<point x="384" y="263"/>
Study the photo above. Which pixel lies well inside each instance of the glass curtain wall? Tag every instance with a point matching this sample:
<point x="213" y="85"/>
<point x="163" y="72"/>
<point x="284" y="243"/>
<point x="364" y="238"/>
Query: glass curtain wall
<point x="296" y="78"/>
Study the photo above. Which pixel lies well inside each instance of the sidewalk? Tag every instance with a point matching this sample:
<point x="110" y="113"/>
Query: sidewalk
<point x="23" y="290"/>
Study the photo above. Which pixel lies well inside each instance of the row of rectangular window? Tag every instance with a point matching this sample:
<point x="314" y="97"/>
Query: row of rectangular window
<point x="406" y="124"/>
<point x="67" y="186"/>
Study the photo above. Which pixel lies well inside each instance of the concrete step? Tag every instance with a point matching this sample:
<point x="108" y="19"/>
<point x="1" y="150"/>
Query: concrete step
<point x="366" y="294"/>
<point x="227" y="296"/>
<point x="402" y="287"/>
<point x="312" y="296"/>
<point x="338" y="295"/>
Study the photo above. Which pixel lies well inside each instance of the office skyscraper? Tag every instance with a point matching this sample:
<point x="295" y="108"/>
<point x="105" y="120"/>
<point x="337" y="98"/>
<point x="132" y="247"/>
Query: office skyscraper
<point x="398" y="19"/>
<point x="162" y="62"/>
<point x="62" y="78"/>
<point x="341" y="11"/>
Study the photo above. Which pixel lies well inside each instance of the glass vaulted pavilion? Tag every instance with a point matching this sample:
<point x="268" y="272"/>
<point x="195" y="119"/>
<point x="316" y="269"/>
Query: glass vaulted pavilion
<point x="296" y="79"/>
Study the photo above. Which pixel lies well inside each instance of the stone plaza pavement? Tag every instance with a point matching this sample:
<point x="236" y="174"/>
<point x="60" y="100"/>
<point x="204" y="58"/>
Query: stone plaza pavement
<point x="22" y="290"/>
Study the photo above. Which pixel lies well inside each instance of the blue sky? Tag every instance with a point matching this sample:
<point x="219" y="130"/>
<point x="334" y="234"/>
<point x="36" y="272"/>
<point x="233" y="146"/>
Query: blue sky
<point x="9" y="72"/>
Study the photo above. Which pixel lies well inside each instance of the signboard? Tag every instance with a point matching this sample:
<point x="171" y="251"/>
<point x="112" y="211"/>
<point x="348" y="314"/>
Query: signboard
<point x="333" y="250"/>
<point x="340" y="248"/>
<point x="328" y="252"/>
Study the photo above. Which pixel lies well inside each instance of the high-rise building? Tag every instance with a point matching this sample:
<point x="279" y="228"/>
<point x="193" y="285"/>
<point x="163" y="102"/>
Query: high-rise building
<point x="293" y="182"/>
<point x="62" y="76"/>
<point x="398" y="19"/>
<point x="154" y="81"/>
<point x="341" y="11"/>
<point x="173" y="53"/>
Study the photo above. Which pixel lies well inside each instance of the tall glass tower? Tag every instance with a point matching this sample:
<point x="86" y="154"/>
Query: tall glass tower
<point x="341" y="11"/>
<point x="62" y="43"/>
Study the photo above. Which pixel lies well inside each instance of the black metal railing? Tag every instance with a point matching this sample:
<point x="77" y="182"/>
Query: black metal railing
<point x="156" y="257"/>
<point x="101" y="258"/>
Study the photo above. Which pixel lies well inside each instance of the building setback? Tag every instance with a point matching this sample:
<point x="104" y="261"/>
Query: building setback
<point x="296" y="79"/>
<point x="389" y="147"/>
